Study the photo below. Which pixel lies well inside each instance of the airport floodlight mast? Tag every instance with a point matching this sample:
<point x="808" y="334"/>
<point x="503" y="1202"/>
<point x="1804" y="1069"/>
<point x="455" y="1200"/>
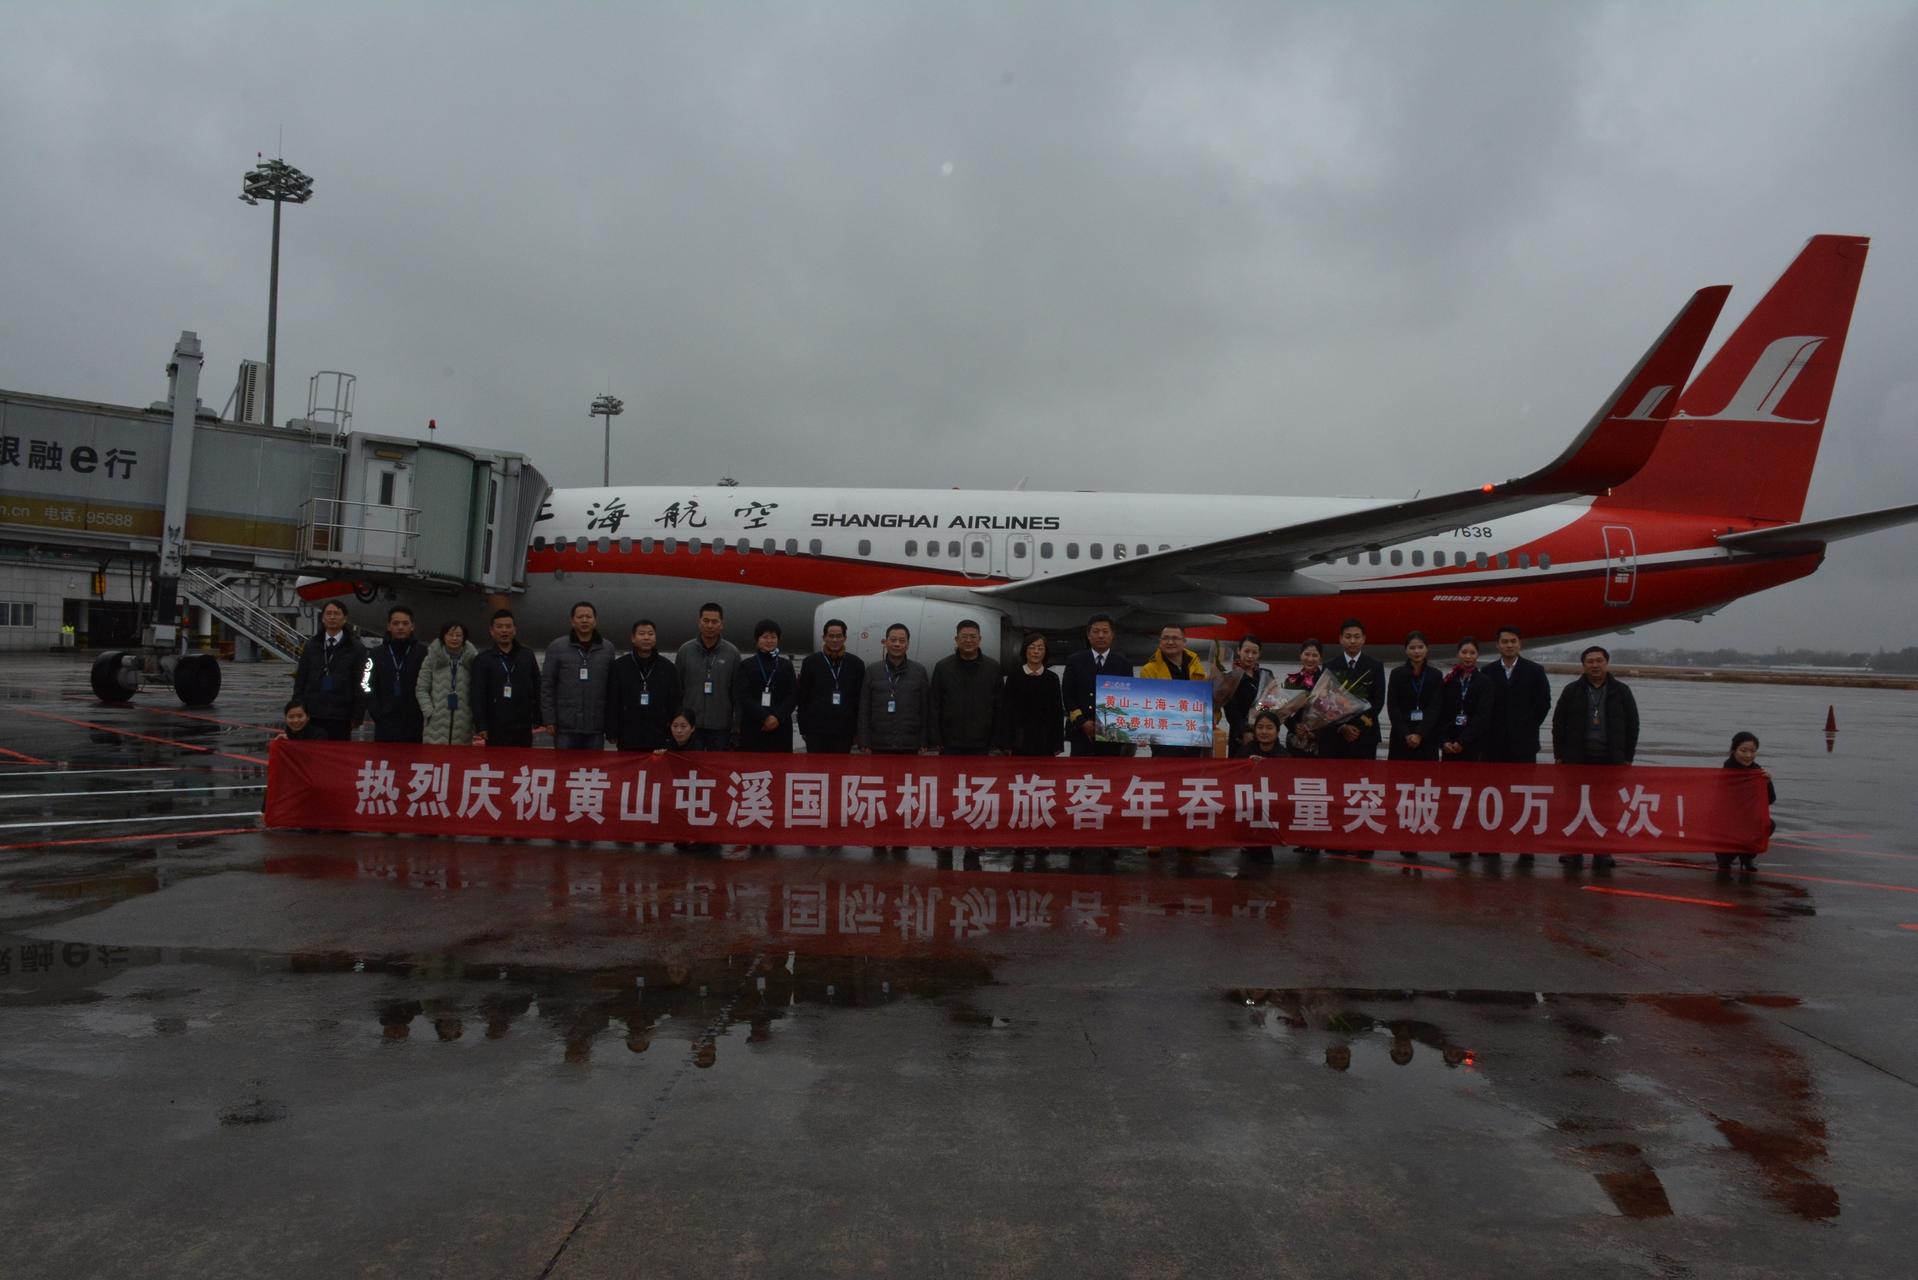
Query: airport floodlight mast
<point x="608" y="407"/>
<point x="280" y="182"/>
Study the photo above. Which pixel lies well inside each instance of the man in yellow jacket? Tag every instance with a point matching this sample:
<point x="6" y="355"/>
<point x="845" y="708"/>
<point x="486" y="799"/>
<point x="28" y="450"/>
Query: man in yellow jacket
<point x="1174" y="661"/>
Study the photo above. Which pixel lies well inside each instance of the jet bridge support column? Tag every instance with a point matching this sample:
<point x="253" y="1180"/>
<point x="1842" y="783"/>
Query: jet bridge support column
<point x="195" y="677"/>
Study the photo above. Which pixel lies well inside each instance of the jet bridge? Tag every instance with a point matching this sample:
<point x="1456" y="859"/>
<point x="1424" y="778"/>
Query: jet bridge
<point x="196" y="497"/>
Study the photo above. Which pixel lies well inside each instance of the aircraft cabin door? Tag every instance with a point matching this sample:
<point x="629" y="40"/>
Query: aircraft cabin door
<point x="1621" y="564"/>
<point x="1018" y="556"/>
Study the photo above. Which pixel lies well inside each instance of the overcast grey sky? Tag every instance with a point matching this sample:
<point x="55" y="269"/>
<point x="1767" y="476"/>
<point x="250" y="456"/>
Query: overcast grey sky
<point x="931" y="244"/>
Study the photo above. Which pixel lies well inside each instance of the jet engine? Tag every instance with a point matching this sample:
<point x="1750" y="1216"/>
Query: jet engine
<point x="932" y="623"/>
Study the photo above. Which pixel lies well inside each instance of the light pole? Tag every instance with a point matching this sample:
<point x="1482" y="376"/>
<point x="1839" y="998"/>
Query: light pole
<point x="280" y="182"/>
<point x="608" y="407"/>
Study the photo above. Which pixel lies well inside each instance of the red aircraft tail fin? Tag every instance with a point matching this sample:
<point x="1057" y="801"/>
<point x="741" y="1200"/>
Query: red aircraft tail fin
<point x="1746" y="433"/>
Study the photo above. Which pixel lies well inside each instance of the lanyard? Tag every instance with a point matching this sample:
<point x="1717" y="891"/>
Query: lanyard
<point x="834" y="669"/>
<point x="769" y="667"/>
<point x="645" y="673"/>
<point x="505" y="665"/>
<point x="1418" y="683"/>
<point x="399" y="665"/>
<point x="894" y="677"/>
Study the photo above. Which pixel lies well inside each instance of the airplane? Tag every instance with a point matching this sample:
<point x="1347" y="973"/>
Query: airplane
<point x="1670" y="503"/>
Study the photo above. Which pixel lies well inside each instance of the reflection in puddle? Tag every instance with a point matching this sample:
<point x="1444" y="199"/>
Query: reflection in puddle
<point x="1726" y="1080"/>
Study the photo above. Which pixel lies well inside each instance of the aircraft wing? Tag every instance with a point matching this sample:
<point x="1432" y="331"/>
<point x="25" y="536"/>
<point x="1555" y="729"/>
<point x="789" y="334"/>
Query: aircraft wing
<point x="1813" y="535"/>
<point x="1230" y="574"/>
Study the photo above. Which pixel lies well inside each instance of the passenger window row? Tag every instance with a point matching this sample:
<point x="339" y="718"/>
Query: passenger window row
<point x="1459" y="559"/>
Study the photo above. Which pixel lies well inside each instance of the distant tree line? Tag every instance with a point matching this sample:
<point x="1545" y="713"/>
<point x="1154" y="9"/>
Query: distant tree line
<point x="1887" y="660"/>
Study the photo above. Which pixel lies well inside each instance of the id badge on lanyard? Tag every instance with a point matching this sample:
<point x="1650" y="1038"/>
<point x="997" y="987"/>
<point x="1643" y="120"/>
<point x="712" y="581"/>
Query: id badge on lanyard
<point x="585" y="673"/>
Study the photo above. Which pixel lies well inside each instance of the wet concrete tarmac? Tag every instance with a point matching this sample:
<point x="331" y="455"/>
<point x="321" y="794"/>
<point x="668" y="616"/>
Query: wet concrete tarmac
<point x="231" y="1052"/>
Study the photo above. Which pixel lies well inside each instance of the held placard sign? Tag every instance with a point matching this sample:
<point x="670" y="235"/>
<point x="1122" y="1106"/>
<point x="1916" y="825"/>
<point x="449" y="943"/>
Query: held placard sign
<point x="999" y="801"/>
<point x="1166" y="713"/>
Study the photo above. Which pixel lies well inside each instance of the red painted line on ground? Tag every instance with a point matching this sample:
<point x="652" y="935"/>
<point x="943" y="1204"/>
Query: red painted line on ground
<point x="1912" y="927"/>
<point x="1391" y="862"/>
<point x="22" y="756"/>
<point x="1763" y="871"/>
<point x="128" y="733"/>
<point x="157" y="835"/>
<point x="236" y="724"/>
<point x="1863" y="853"/>
<point x="1660" y="897"/>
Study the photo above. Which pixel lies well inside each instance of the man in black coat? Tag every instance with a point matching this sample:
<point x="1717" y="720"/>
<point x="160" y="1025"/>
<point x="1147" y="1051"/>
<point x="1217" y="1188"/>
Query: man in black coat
<point x="829" y="685"/>
<point x="765" y="693"/>
<point x="505" y="688"/>
<point x="392" y="700"/>
<point x="1079" y="685"/>
<point x="1361" y="675"/>
<point x="331" y="672"/>
<point x="1595" y="722"/>
<point x="642" y="694"/>
<point x="962" y="711"/>
<point x="1524" y="701"/>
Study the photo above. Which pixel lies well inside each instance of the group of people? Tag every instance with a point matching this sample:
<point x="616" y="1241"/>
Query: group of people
<point x="711" y="696"/>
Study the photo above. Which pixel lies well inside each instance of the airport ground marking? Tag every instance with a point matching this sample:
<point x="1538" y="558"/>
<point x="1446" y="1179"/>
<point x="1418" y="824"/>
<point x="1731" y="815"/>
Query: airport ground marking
<point x="132" y="791"/>
<point x="1782" y="875"/>
<point x="102" y="822"/>
<point x="143" y="737"/>
<point x="121" y="768"/>
<point x="22" y="756"/>
<point x="127" y="839"/>
<point x="1660" y="897"/>
<point x="189" y="715"/>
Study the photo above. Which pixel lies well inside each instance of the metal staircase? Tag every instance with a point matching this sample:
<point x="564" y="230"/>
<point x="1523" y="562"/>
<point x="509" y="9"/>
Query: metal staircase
<point x="233" y="608"/>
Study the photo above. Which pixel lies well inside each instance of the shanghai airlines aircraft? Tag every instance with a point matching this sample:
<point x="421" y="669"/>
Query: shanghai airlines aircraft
<point x="1670" y="503"/>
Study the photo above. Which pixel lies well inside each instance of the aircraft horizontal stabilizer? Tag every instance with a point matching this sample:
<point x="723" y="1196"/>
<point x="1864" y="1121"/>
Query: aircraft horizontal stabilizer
<point x="1813" y="535"/>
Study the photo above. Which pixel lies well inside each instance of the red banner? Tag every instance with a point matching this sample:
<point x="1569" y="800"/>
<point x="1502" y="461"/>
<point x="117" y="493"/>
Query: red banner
<point x="1013" y="802"/>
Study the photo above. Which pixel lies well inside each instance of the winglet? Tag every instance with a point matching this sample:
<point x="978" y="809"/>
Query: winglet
<point x="1621" y="436"/>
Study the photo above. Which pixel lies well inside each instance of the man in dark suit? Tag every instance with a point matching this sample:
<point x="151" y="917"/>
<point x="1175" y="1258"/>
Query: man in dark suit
<point x="1524" y="701"/>
<point x="1079" y="686"/>
<point x="331" y="673"/>
<point x="1361" y="675"/>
